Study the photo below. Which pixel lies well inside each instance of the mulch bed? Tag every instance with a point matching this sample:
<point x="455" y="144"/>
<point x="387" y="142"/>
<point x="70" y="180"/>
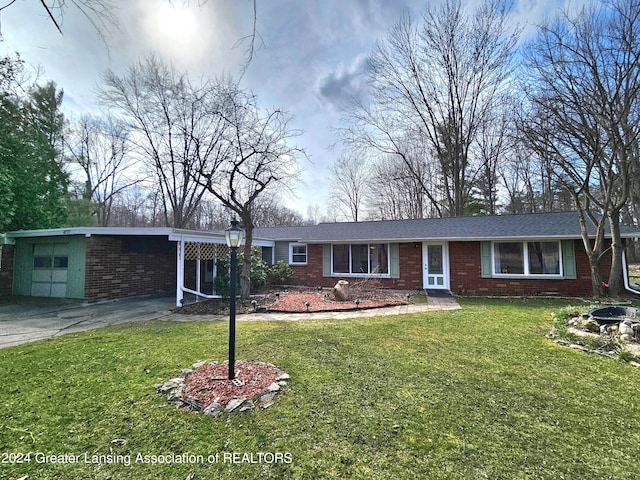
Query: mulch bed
<point x="209" y="383"/>
<point x="206" y="387"/>
<point x="317" y="302"/>
<point x="292" y="302"/>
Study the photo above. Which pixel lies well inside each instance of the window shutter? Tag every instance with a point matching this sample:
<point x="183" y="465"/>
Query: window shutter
<point x="326" y="260"/>
<point x="569" y="259"/>
<point x="485" y="260"/>
<point x="394" y="257"/>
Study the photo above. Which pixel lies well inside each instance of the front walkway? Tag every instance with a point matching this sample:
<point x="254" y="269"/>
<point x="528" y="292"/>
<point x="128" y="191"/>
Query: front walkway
<point x="433" y="304"/>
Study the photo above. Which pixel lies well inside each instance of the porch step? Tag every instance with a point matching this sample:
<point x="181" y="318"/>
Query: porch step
<point x="434" y="293"/>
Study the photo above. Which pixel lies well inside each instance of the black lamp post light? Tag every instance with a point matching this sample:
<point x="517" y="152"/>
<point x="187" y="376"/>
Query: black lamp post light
<point x="234" y="236"/>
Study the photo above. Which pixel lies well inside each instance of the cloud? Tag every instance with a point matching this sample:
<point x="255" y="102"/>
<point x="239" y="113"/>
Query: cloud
<point x="339" y="86"/>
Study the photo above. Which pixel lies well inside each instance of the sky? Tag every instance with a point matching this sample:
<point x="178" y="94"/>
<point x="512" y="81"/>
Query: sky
<point x="310" y="55"/>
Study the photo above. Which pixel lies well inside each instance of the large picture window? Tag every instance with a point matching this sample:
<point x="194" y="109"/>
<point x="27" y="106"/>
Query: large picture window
<point x="360" y="259"/>
<point x="527" y="258"/>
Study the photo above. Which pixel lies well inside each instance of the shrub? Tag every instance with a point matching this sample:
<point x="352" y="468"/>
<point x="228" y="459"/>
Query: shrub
<point x="280" y="274"/>
<point x="258" y="275"/>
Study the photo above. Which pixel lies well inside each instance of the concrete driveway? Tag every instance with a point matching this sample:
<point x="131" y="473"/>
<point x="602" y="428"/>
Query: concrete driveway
<point x="25" y="319"/>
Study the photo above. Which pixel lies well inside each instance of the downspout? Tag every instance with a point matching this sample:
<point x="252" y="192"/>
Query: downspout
<point x="625" y="275"/>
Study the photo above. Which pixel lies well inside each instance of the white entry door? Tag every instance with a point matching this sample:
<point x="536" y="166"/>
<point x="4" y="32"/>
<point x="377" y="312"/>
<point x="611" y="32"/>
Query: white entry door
<point x="435" y="265"/>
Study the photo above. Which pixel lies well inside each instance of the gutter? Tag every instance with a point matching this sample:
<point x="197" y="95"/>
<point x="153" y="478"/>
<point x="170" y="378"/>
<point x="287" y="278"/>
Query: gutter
<point x="625" y="275"/>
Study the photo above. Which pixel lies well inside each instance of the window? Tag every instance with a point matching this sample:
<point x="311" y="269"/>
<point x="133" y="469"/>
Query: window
<point x="526" y="258"/>
<point x="379" y="258"/>
<point x="297" y="253"/>
<point x="509" y="258"/>
<point x="544" y="258"/>
<point x="60" y="262"/>
<point x="47" y="256"/>
<point x="341" y="259"/>
<point x="42" y="262"/>
<point x="360" y="259"/>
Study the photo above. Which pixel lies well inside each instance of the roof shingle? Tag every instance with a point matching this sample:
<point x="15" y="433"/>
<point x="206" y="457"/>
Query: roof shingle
<point x="516" y="227"/>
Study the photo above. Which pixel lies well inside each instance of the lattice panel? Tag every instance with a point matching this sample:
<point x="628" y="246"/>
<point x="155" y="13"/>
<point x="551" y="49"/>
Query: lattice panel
<point x="204" y="251"/>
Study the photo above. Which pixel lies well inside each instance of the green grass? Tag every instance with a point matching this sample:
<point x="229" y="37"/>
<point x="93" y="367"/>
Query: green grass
<point x="469" y="394"/>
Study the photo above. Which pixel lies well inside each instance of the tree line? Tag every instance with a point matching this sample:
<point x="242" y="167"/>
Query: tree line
<point x="461" y="116"/>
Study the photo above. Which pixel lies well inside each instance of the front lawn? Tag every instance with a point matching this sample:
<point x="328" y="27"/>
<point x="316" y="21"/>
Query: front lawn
<point x="468" y="394"/>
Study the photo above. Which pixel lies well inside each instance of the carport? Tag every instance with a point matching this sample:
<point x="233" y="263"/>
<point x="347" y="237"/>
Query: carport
<point x="105" y="263"/>
<point x="202" y="249"/>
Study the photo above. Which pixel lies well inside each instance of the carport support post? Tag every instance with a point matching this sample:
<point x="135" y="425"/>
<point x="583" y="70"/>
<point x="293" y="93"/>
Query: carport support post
<point x="180" y="274"/>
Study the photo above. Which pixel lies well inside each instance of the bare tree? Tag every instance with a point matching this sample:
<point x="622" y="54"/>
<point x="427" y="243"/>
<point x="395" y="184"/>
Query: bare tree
<point x="256" y="159"/>
<point x="100" y="13"/>
<point x="350" y="177"/>
<point x="176" y="126"/>
<point x="396" y="192"/>
<point x="585" y="93"/>
<point x="435" y="82"/>
<point x="100" y="147"/>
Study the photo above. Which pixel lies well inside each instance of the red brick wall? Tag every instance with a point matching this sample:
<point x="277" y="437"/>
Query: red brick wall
<point x="6" y="270"/>
<point x="466" y="278"/>
<point x="127" y="266"/>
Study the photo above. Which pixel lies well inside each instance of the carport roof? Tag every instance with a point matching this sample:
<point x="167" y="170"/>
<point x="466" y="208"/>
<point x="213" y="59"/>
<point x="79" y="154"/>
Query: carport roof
<point x="560" y="225"/>
<point x="172" y="234"/>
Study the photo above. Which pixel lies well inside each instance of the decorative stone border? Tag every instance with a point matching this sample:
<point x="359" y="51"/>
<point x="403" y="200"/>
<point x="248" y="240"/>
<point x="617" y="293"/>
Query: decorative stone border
<point x="174" y="387"/>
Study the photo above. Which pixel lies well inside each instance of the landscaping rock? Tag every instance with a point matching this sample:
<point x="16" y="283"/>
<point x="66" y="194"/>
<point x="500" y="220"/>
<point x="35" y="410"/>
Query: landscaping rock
<point x="249" y="405"/>
<point x="169" y="385"/>
<point x="215" y="409"/>
<point x="341" y="290"/>
<point x="590" y="325"/>
<point x="274" y="387"/>
<point x="266" y="400"/>
<point x="234" y="404"/>
<point x="626" y="328"/>
<point x="175" y="394"/>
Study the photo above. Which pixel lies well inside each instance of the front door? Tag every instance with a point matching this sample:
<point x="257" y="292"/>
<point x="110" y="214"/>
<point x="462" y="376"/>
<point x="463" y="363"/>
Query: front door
<point x="435" y="260"/>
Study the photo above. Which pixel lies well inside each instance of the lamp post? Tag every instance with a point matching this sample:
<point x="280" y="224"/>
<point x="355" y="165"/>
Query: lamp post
<point x="234" y="236"/>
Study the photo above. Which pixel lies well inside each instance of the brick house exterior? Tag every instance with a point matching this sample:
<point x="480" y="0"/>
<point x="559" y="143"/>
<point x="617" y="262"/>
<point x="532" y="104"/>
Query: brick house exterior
<point x="470" y="249"/>
<point x="494" y="255"/>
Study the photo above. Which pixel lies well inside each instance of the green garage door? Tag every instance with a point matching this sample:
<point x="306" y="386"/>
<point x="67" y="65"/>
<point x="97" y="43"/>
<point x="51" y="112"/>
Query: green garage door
<point x="50" y="270"/>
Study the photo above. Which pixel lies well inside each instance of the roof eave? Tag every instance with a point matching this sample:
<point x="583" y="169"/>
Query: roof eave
<point x="455" y="239"/>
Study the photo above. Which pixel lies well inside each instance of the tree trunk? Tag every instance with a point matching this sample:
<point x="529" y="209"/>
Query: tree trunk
<point x="596" y="278"/>
<point x="617" y="248"/>
<point x="594" y="253"/>
<point x="245" y="271"/>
